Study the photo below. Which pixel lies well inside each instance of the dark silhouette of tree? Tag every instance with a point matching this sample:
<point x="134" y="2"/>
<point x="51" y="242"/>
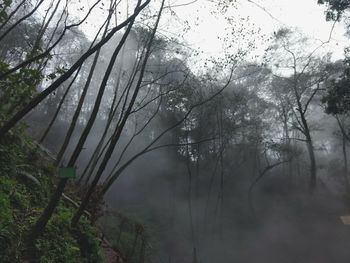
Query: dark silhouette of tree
<point x="57" y="83"/>
<point x="120" y="127"/>
<point x="47" y="213"/>
<point x="305" y="74"/>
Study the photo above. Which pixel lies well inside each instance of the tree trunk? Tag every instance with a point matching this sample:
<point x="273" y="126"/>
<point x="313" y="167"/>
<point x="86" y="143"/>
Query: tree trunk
<point x="41" y="96"/>
<point x="95" y="156"/>
<point x="310" y="149"/>
<point x="345" y="172"/>
<point x="46" y="215"/>
<point x="313" y="172"/>
<point x="120" y="127"/>
<point x="80" y="104"/>
<point x="41" y="140"/>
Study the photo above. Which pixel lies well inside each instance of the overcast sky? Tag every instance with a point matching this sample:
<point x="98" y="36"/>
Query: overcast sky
<point x="208" y="28"/>
<point x="266" y="15"/>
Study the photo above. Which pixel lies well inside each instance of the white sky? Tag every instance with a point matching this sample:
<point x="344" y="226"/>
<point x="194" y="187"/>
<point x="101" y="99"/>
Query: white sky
<point x="207" y="28"/>
<point x="303" y="14"/>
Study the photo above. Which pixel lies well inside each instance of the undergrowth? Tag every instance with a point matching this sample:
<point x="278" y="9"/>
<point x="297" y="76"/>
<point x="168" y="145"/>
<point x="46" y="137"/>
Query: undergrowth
<point x="27" y="178"/>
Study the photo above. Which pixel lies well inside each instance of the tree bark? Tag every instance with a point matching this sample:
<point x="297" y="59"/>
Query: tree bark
<point x="311" y="152"/>
<point x="345" y="172"/>
<point x="47" y="214"/>
<point x="119" y="128"/>
<point x="41" y="96"/>
<point x="81" y="101"/>
<point x="49" y="210"/>
<point x="313" y="172"/>
<point x="46" y="132"/>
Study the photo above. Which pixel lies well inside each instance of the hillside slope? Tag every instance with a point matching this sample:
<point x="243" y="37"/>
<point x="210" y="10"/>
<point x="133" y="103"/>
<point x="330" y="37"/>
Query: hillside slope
<point x="27" y="177"/>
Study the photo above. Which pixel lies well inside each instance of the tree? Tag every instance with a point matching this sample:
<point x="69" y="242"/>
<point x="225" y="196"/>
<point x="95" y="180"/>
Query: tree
<point x="335" y="8"/>
<point x="58" y="82"/>
<point x="47" y="213"/>
<point x="337" y="99"/>
<point x="302" y="74"/>
<point x="116" y="134"/>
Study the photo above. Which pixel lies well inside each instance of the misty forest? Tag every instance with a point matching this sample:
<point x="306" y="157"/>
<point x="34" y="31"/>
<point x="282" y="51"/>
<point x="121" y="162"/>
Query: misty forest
<point x="188" y="131"/>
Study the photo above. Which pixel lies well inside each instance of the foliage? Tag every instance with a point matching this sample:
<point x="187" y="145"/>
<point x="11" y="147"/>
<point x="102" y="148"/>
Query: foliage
<point x="335" y="8"/>
<point x="17" y="89"/>
<point x="67" y="246"/>
<point x="3" y="12"/>
<point x="21" y="202"/>
<point x="337" y="99"/>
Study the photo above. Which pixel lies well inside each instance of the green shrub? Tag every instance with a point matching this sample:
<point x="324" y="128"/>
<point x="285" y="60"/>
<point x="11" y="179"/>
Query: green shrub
<point x="21" y="203"/>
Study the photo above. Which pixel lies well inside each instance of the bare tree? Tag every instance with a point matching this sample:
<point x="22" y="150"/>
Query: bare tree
<point x="303" y="78"/>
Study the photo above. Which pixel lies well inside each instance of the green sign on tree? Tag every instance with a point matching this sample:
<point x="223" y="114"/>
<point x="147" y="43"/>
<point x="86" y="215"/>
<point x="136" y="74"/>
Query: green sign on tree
<point x="67" y="172"/>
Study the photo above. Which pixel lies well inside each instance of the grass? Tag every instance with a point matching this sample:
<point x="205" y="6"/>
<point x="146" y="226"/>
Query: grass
<point x="27" y="178"/>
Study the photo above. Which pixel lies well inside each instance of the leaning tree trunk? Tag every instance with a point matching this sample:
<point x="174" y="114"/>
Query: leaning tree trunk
<point x="79" y="106"/>
<point x="117" y="133"/>
<point x="57" y="83"/>
<point x="48" y="212"/>
<point x="46" y="215"/>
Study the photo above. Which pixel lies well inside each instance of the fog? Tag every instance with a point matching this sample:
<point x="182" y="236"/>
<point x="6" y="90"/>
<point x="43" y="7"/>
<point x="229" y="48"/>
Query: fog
<point x="241" y="157"/>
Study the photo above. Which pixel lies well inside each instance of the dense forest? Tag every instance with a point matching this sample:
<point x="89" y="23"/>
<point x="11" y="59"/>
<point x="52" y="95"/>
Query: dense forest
<point x="121" y="141"/>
